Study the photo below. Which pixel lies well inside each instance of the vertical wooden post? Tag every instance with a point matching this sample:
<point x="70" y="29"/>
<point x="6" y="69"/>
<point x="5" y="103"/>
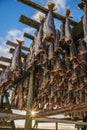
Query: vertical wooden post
<point x="36" y="125"/>
<point x="13" y="125"/>
<point x="56" y="126"/>
<point x="28" y="121"/>
<point x="9" y="107"/>
<point x="85" y="120"/>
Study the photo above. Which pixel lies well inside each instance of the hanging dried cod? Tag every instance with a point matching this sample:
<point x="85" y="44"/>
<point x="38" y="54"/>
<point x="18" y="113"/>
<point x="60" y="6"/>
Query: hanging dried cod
<point x="39" y="48"/>
<point x="16" y="64"/>
<point x="83" y="6"/>
<point x="5" y="77"/>
<point x="49" y="27"/>
<point x="57" y="47"/>
<point x="31" y="57"/>
<point x="17" y="96"/>
<point x="51" y="52"/>
<point x="68" y="37"/>
<point x="62" y="32"/>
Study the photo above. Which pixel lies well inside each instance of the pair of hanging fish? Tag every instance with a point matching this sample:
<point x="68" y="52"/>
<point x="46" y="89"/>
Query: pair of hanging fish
<point x="19" y="95"/>
<point x="15" y="67"/>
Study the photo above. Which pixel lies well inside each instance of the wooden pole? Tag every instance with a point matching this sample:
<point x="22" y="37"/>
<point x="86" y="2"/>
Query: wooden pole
<point x="46" y="119"/>
<point x="5" y="59"/>
<point x="36" y="125"/>
<point x="28" y="122"/>
<point x="30" y="22"/>
<point x="56" y="126"/>
<point x="22" y="53"/>
<point x="85" y="120"/>
<point x="29" y="36"/>
<point x="15" y="44"/>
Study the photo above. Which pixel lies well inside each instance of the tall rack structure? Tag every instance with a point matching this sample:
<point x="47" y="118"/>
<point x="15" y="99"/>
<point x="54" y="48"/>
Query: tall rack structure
<point x="51" y="78"/>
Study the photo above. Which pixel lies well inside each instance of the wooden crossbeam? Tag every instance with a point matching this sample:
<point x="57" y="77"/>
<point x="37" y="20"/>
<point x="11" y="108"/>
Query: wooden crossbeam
<point x="15" y="44"/>
<point x="29" y="21"/>
<point x="69" y="109"/>
<point x="10" y="117"/>
<point x="5" y="124"/>
<point x="0" y="71"/>
<point x="44" y="10"/>
<point x="5" y="59"/>
<point x="3" y="66"/>
<point x="28" y="36"/>
<point x="85" y="1"/>
<point x="45" y="119"/>
<point x="77" y="31"/>
<point x="5" y="127"/>
<point x="12" y="51"/>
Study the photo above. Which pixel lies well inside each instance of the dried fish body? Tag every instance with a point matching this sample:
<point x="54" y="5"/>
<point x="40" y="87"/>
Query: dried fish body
<point x="73" y="53"/>
<point x="13" y="99"/>
<point x="51" y="52"/>
<point x="20" y="95"/>
<point x="62" y="32"/>
<point x="85" y="21"/>
<point x="57" y="66"/>
<point x="39" y="47"/>
<point x="77" y="97"/>
<point x="68" y="37"/>
<point x="28" y="61"/>
<point x="82" y="96"/>
<point x="57" y="47"/>
<point x="82" y="52"/>
<point x="49" y="27"/>
<point x="31" y="57"/>
<point x="16" y="60"/>
<point x="70" y="85"/>
<point x="8" y="75"/>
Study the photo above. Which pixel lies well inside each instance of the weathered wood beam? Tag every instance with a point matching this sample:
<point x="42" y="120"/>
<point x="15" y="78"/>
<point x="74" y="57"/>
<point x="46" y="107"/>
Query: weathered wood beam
<point x="45" y="119"/>
<point x="3" y="66"/>
<point x="29" y="21"/>
<point x="44" y="10"/>
<point x="5" y="124"/>
<point x="15" y="44"/>
<point x="22" y="53"/>
<point x="0" y="71"/>
<point x="5" y="127"/>
<point x="77" y="31"/>
<point x="81" y="107"/>
<point x="5" y="59"/>
<point x="10" y="117"/>
<point x="28" y="36"/>
<point x="85" y="1"/>
<point x="28" y="122"/>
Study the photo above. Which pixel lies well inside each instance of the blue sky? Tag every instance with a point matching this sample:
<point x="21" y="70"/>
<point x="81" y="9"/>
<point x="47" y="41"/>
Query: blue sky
<point x="11" y="10"/>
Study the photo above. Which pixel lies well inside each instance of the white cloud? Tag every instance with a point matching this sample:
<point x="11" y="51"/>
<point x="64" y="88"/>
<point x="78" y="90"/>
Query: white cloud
<point x="12" y="35"/>
<point x="28" y="30"/>
<point x="61" y="4"/>
<point x="36" y="15"/>
<point x="18" y="34"/>
<point x="3" y="50"/>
